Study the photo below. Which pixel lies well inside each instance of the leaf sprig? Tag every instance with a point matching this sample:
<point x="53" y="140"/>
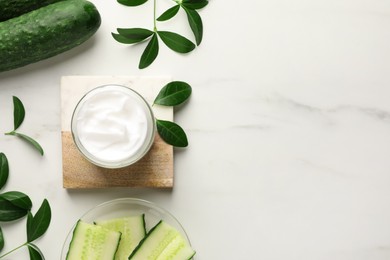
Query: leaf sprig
<point x="172" y="40"/>
<point x="19" y="114"/>
<point x="15" y="205"/>
<point x="173" y="94"/>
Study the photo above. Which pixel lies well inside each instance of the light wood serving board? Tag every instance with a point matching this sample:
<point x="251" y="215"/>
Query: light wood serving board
<point x="154" y="170"/>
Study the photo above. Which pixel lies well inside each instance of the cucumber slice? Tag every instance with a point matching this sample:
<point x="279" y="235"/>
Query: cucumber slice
<point x="132" y="229"/>
<point x="161" y="243"/>
<point x="93" y="242"/>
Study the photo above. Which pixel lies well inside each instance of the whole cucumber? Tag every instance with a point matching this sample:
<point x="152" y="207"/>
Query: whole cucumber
<point x="46" y="32"/>
<point x="14" y="8"/>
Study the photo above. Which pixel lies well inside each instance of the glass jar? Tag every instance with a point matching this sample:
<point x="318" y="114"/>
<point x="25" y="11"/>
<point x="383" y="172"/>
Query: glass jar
<point x="113" y="126"/>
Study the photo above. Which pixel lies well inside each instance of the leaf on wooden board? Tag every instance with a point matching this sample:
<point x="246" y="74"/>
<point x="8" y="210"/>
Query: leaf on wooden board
<point x="173" y="94"/>
<point x="172" y="133"/>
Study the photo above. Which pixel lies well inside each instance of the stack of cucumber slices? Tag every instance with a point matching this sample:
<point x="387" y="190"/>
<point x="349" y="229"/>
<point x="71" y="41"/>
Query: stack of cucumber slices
<point x="126" y="238"/>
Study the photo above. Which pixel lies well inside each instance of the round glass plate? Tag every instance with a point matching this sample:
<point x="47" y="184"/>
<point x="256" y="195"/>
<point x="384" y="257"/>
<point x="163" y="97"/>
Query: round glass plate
<point x="126" y="207"/>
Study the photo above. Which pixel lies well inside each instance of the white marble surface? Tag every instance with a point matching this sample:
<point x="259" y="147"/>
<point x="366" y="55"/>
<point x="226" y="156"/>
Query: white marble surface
<point x="289" y="129"/>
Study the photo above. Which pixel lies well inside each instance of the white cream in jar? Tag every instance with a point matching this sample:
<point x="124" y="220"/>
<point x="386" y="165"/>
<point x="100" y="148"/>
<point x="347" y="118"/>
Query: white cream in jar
<point x="113" y="126"/>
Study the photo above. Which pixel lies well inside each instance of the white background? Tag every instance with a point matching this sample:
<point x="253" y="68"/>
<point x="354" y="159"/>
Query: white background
<point x="288" y="124"/>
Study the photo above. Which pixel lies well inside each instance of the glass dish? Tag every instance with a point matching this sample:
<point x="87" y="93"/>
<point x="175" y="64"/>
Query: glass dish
<point x="126" y="207"/>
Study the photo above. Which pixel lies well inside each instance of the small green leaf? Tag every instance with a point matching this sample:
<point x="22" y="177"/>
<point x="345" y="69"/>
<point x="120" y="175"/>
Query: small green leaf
<point x="35" y="144"/>
<point x="19" y="112"/>
<point x="196" y="24"/>
<point x="122" y="39"/>
<point x="18" y="199"/>
<point x="10" y="212"/>
<point x="34" y="252"/>
<point x="168" y="14"/>
<point x="176" y="42"/>
<point x="173" y="94"/>
<point x="195" y="4"/>
<point x="1" y="239"/>
<point x="132" y="2"/>
<point x="150" y="53"/>
<point x="38" y="224"/>
<point x="4" y="170"/>
<point x="29" y="224"/>
<point x="171" y="133"/>
<point x="134" y="35"/>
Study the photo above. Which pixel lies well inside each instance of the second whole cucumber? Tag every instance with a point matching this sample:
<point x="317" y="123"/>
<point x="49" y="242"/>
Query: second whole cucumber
<point x="14" y="8"/>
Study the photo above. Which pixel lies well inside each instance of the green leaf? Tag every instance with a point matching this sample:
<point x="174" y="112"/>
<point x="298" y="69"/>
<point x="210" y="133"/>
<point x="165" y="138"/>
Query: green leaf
<point x="1" y="239"/>
<point x="34" y="252"/>
<point x="19" y="112"/>
<point x="122" y="39"/>
<point x="34" y="143"/>
<point x="18" y="199"/>
<point x="171" y="133"/>
<point x="132" y="35"/>
<point x="196" y="24"/>
<point x="38" y="224"/>
<point x="168" y="14"/>
<point x="150" y="53"/>
<point x="29" y="224"/>
<point x="132" y="2"/>
<point x="4" y="170"/>
<point x="173" y="94"/>
<point x="195" y="4"/>
<point x="176" y="42"/>
<point x="10" y="212"/>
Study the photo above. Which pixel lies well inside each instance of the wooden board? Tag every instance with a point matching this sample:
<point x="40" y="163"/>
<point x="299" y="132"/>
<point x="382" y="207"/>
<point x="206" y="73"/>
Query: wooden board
<point x="155" y="169"/>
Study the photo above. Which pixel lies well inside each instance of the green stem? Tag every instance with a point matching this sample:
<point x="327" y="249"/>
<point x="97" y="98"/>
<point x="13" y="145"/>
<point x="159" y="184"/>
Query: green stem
<point x="10" y="133"/>
<point x="13" y="250"/>
<point x="154" y="16"/>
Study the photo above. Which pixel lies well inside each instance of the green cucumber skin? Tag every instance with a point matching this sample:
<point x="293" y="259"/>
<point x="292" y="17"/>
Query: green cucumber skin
<point x="143" y="240"/>
<point x="46" y="32"/>
<point x="134" y="253"/>
<point x="13" y="8"/>
<point x="73" y="234"/>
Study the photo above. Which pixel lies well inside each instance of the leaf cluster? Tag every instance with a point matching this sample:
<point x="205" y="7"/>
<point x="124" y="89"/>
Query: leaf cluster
<point x="173" y="94"/>
<point x="15" y="205"/>
<point x="19" y="114"/>
<point x="172" y="40"/>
